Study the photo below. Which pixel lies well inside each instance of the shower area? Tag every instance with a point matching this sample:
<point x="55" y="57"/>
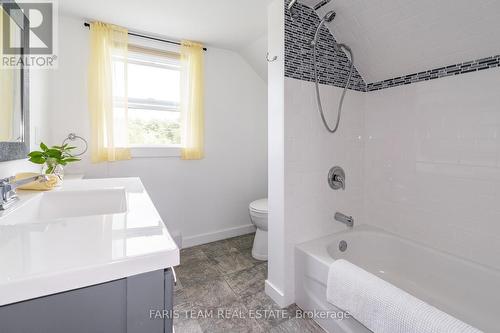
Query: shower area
<point x="415" y="132"/>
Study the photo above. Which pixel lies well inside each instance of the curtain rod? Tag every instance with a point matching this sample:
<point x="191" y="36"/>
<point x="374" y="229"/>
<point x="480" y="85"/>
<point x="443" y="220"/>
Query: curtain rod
<point x="86" y="24"/>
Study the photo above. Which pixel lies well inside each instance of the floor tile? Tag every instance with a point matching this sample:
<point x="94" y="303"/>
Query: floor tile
<point x="210" y="294"/>
<point x="187" y="326"/>
<point x="298" y="325"/>
<point x="272" y="314"/>
<point x="244" y="242"/>
<point x="231" y="262"/>
<point x="196" y="271"/>
<point x="248" y="254"/>
<point x="249" y="281"/>
<point x="221" y="289"/>
<point x="233" y="318"/>
<point x="192" y="254"/>
<point x="217" y="248"/>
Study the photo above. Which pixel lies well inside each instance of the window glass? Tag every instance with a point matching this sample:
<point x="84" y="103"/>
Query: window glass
<point x="153" y="94"/>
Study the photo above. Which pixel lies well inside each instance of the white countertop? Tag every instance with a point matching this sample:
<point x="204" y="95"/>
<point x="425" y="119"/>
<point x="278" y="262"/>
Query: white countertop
<point x="86" y="232"/>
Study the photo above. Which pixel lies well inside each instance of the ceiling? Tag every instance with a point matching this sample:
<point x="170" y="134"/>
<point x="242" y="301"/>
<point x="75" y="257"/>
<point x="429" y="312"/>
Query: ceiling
<point x="391" y="38"/>
<point x="229" y="24"/>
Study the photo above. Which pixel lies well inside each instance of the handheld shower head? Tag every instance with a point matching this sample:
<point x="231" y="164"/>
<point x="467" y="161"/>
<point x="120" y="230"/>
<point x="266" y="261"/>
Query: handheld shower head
<point x="329" y="16"/>
<point x="326" y="19"/>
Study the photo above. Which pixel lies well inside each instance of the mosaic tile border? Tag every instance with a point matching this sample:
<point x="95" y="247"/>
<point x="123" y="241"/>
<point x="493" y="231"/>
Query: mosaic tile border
<point x="462" y="68"/>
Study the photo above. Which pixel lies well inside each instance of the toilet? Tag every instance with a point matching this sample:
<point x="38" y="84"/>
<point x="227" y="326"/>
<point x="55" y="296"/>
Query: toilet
<point x="258" y="215"/>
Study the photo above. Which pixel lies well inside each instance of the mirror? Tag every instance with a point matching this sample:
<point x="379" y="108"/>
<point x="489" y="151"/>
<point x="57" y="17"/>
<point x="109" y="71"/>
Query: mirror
<point x="11" y="114"/>
<point x="14" y="92"/>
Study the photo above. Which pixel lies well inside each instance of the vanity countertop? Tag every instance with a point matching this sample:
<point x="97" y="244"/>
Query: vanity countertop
<point x="86" y="232"/>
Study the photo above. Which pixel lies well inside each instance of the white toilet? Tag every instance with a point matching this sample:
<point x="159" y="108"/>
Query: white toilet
<point x="258" y="215"/>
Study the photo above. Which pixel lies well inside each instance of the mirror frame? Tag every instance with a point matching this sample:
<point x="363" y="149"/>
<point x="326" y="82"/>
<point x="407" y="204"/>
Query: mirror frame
<point x="19" y="150"/>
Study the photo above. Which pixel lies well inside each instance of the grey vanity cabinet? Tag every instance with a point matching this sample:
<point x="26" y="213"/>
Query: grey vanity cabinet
<point x="136" y="304"/>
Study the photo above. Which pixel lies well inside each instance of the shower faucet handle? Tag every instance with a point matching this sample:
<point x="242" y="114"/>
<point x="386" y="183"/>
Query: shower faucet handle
<point x="339" y="179"/>
<point x="336" y="178"/>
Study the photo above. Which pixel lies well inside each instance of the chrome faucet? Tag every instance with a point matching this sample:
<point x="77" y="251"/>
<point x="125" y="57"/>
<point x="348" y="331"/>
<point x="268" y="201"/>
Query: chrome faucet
<point x="340" y="180"/>
<point x="347" y="220"/>
<point x="8" y="186"/>
<point x="336" y="178"/>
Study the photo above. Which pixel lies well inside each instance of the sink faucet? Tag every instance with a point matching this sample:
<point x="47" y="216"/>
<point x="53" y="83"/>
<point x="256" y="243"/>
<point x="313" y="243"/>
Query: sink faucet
<point x="8" y="186"/>
<point x="347" y="220"/>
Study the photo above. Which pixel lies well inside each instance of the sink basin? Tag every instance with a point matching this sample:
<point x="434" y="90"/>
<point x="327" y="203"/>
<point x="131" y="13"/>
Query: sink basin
<point x="85" y="233"/>
<point x="68" y="204"/>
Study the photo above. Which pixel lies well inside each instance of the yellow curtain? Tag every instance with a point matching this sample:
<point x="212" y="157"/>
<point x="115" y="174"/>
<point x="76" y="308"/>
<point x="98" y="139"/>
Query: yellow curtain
<point x="108" y="92"/>
<point x="192" y="86"/>
<point x="6" y="91"/>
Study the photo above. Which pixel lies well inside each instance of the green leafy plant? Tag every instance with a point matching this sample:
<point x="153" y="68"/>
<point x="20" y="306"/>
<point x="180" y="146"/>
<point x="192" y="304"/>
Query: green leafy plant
<point x="53" y="156"/>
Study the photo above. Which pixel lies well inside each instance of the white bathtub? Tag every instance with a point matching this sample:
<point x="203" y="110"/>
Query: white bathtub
<point x="463" y="289"/>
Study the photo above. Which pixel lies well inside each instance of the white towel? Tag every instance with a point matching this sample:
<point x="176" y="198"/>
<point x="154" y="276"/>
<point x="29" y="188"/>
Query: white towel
<point x="384" y="308"/>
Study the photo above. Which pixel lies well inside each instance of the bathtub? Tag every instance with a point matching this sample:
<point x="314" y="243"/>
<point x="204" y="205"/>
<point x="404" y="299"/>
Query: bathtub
<point x="463" y="289"/>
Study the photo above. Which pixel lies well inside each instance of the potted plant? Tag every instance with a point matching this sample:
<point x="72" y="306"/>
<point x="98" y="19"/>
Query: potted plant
<point x="53" y="159"/>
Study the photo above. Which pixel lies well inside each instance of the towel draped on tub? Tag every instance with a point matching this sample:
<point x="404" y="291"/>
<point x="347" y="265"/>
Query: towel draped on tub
<point x="384" y="308"/>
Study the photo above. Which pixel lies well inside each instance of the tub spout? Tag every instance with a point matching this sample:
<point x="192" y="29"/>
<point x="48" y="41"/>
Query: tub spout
<point x="347" y="220"/>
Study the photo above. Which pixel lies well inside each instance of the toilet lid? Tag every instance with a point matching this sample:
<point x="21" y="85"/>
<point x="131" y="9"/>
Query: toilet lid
<point x="259" y="205"/>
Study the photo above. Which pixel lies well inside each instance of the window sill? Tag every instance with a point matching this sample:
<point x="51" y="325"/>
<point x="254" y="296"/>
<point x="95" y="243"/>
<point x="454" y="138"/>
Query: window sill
<point x="151" y="151"/>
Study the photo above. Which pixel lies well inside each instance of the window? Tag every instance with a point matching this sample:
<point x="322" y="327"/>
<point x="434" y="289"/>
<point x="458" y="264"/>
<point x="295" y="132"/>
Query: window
<point x="153" y="84"/>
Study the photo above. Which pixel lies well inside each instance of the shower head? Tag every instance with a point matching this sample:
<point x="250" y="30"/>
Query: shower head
<point x="329" y="16"/>
<point x="326" y="19"/>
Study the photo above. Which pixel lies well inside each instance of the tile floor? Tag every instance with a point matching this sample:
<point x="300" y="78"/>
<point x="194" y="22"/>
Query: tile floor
<point x="220" y="288"/>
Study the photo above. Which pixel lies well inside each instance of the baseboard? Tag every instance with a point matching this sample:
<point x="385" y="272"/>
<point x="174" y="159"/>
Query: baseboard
<point x="277" y="295"/>
<point x="217" y="235"/>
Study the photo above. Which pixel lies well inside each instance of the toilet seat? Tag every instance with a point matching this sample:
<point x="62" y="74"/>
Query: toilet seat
<point x="258" y="206"/>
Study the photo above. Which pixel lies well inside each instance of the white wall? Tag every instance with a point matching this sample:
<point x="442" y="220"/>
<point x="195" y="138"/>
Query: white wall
<point x="310" y="152"/>
<point x="275" y="283"/>
<point x="301" y="152"/>
<point x="195" y="198"/>
<point x="421" y="160"/>
<point x="432" y="163"/>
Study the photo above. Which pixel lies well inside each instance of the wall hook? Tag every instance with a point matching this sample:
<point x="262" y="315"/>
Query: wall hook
<point x="272" y="59"/>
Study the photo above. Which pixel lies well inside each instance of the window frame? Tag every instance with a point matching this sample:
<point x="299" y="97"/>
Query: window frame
<point x="136" y="45"/>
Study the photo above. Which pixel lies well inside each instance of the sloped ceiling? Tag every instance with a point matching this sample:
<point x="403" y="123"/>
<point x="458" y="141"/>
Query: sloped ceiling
<point x="255" y="54"/>
<point x="228" y="24"/>
<point x="391" y="38"/>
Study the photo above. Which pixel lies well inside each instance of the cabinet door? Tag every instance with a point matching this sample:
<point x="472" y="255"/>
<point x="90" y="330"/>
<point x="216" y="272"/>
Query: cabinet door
<point x="98" y="309"/>
<point x="145" y="296"/>
<point x="119" y="306"/>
